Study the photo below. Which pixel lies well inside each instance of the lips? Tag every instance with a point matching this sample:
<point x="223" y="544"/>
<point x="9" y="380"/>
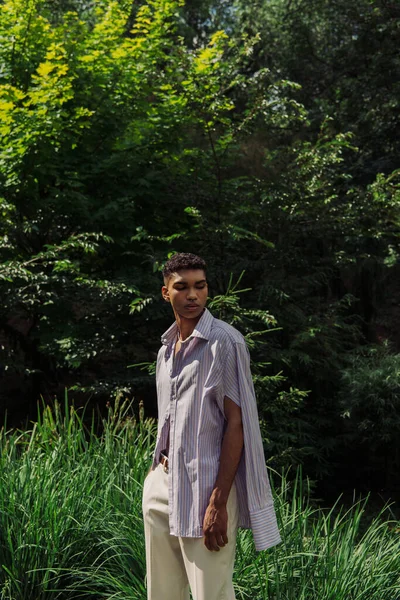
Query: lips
<point x="191" y="306"/>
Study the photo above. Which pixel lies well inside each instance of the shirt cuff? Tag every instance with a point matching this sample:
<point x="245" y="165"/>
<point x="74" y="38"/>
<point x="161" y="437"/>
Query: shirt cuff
<point x="265" y="528"/>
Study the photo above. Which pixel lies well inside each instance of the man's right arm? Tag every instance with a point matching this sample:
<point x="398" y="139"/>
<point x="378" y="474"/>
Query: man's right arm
<point x="215" y="522"/>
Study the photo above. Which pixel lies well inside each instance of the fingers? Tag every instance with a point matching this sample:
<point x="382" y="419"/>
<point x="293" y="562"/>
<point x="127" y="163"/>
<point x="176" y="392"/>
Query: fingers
<point x="215" y="541"/>
<point x="222" y="540"/>
<point x="215" y="525"/>
<point x="210" y="542"/>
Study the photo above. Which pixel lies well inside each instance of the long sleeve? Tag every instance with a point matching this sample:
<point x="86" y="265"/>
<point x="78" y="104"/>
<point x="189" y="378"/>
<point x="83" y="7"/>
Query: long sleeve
<point x="238" y="386"/>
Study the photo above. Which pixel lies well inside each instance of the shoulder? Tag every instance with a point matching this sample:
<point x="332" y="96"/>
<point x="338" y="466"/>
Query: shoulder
<point x="161" y="352"/>
<point x="225" y="334"/>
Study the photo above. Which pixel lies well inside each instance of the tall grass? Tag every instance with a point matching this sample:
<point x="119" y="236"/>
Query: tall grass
<point x="70" y="518"/>
<point x="325" y="554"/>
<point x="71" y="524"/>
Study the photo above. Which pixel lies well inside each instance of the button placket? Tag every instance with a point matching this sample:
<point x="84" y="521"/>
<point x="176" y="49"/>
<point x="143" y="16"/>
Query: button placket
<point x="175" y="367"/>
<point x="172" y="423"/>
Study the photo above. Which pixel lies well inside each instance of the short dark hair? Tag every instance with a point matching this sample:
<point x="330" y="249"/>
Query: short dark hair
<point x="181" y="261"/>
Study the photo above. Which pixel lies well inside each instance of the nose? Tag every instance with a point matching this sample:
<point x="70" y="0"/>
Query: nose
<point x="192" y="294"/>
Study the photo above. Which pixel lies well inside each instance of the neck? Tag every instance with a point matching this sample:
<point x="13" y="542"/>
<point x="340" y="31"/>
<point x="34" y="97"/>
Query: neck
<point x="186" y="326"/>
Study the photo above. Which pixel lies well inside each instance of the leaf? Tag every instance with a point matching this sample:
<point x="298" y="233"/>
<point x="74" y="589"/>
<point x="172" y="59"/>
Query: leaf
<point x="45" y="68"/>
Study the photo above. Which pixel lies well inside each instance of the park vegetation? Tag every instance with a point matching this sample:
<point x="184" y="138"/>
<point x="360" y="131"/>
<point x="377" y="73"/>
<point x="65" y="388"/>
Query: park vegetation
<point x="262" y="135"/>
<point x="71" y="523"/>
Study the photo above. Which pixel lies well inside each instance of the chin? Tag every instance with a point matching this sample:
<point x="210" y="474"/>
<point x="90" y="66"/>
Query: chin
<point x="192" y="314"/>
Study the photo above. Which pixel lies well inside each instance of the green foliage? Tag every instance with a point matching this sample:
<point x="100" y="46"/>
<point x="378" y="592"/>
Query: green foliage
<point x="343" y="55"/>
<point x="70" y="506"/>
<point x="370" y="403"/>
<point x="74" y="112"/>
<point x="71" y="522"/>
<point x="372" y="393"/>
<point x="260" y="135"/>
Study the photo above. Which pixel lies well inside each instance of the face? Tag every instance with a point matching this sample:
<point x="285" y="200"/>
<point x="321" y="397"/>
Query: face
<point x="187" y="292"/>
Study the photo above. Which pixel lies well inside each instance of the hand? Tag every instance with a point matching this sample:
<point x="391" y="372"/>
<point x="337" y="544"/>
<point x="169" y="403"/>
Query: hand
<point x="215" y="527"/>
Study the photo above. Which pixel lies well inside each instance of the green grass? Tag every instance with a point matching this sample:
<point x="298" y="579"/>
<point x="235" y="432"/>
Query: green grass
<point x="71" y="524"/>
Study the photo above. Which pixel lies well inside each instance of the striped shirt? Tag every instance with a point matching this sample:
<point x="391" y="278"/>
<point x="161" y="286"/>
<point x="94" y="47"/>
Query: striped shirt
<point x="211" y="364"/>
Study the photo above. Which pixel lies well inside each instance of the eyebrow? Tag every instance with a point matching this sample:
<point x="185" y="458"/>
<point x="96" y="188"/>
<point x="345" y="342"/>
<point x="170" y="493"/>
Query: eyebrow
<point x="196" y="282"/>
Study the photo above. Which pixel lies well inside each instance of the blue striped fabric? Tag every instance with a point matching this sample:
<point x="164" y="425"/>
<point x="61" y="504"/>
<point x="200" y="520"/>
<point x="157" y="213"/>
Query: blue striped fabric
<point x="212" y="363"/>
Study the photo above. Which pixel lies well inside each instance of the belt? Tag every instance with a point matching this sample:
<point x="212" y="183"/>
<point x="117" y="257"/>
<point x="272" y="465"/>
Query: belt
<point x="164" y="461"/>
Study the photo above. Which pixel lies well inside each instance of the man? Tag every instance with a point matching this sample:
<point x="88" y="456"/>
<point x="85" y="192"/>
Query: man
<point x="208" y="474"/>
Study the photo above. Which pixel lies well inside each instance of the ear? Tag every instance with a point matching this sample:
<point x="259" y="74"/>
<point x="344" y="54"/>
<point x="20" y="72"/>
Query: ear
<point x="165" y="293"/>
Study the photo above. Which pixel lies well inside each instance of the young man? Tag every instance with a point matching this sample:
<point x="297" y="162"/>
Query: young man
<point x="208" y="475"/>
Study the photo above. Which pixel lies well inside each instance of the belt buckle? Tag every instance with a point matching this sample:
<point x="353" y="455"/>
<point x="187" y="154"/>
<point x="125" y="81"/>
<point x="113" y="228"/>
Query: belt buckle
<point x="165" y="462"/>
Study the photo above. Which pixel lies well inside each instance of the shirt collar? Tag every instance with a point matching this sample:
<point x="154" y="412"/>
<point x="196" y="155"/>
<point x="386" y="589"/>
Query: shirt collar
<point x="202" y="329"/>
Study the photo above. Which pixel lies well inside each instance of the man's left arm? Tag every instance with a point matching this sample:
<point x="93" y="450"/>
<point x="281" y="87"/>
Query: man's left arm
<point x="215" y="524"/>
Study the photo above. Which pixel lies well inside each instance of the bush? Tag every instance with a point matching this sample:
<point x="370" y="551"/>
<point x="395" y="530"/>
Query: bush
<point x="370" y="400"/>
<point x="71" y="523"/>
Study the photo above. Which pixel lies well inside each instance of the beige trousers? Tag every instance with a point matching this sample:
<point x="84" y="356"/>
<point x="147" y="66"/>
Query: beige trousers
<point x="176" y="563"/>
